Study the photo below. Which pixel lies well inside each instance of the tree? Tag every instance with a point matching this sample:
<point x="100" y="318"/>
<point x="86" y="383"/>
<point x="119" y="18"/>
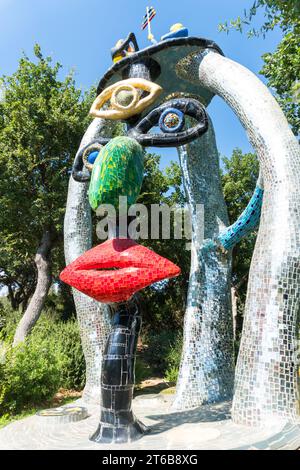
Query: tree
<point x="282" y="67"/>
<point x="163" y="306"/>
<point x="282" y="70"/>
<point x="42" y="119"/>
<point x="239" y="180"/>
<point x="282" y="13"/>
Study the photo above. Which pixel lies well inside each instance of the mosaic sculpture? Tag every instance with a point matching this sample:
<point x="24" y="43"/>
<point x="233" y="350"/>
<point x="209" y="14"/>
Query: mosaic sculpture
<point x="117" y="171"/>
<point x="120" y="108"/>
<point x="206" y="372"/>
<point x="168" y="85"/>
<point x="266" y="374"/>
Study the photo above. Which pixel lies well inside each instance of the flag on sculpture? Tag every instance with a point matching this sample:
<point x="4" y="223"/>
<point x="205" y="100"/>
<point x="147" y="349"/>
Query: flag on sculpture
<point x="148" y="17"/>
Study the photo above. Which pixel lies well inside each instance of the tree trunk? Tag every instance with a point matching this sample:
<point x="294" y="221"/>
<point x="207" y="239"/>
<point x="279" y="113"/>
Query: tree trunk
<point x="11" y="297"/>
<point x="44" y="278"/>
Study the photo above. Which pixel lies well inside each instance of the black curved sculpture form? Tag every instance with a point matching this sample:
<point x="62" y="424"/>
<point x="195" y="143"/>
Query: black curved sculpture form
<point x="189" y="107"/>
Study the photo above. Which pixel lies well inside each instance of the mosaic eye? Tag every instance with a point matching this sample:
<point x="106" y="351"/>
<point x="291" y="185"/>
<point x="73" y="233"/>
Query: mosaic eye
<point x="170" y="117"/>
<point x="90" y="153"/>
<point x="125" y="99"/>
<point x="86" y="158"/>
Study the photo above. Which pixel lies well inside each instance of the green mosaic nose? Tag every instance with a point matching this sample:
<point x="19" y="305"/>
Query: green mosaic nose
<point x="117" y="171"/>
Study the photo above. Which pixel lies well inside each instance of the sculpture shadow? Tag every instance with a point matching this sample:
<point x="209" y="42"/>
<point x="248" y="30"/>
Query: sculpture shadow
<point x="203" y="414"/>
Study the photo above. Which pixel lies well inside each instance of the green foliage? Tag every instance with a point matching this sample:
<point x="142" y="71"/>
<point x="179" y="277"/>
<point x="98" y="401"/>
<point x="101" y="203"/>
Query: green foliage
<point x="156" y="184"/>
<point x="8" y="321"/>
<point x="282" y="67"/>
<point x="239" y="181"/>
<point x="42" y="119"/>
<point x="7" y="418"/>
<point x="142" y="370"/>
<point x="51" y="358"/>
<point x="282" y="70"/>
<point x="173" y="360"/>
<point x="164" y="351"/>
<point x="29" y="376"/>
<point x="284" y="13"/>
<point x="171" y="375"/>
<point x="61" y="303"/>
<point x="65" y="337"/>
<point x="72" y="363"/>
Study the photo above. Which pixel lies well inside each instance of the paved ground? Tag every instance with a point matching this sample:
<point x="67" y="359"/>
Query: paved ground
<point x="208" y="427"/>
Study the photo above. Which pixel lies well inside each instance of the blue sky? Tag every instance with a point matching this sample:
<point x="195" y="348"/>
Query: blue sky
<point x="80" y="33"/>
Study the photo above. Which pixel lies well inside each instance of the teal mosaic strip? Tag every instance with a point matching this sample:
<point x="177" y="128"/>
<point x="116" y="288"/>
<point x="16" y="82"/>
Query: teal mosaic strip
<point x="245" y="224"/>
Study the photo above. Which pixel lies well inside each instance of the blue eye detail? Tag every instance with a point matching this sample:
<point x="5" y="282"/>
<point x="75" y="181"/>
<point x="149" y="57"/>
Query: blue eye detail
<point x="92" y="157"/>
<point x="171" y="120"/>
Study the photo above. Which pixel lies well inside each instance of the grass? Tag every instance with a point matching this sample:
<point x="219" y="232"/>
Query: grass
<point x="7" y="419"/>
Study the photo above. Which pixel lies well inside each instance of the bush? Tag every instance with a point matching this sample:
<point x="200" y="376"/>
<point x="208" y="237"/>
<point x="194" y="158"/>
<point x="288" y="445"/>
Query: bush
<point x="51" y="358"/>
<point x="30" y="375"/>
<point x="9" y="320"/>
<point x="172" y="374"/>
<point x="142" y="370"/>
<point x="173" y="360"/>
<point x="72" y="363"/>
<point x="163" y="351"/>
<point x="65" y="339"/>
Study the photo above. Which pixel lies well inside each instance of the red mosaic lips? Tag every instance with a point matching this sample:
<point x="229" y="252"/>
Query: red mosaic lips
<point x="116" y="269"/>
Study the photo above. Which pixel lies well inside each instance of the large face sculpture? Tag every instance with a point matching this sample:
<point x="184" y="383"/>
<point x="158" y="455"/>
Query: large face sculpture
<point x="160" y="94"/>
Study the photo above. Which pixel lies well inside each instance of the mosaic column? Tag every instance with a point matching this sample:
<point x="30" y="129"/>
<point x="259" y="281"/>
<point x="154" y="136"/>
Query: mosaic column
<point x="93" y="317"/>
<point x="207" y="366"/>
<point x="266" y="375"/>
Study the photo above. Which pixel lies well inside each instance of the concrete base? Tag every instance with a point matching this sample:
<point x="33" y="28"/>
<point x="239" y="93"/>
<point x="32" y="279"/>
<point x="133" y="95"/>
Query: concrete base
<point x="207" y="427"/>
